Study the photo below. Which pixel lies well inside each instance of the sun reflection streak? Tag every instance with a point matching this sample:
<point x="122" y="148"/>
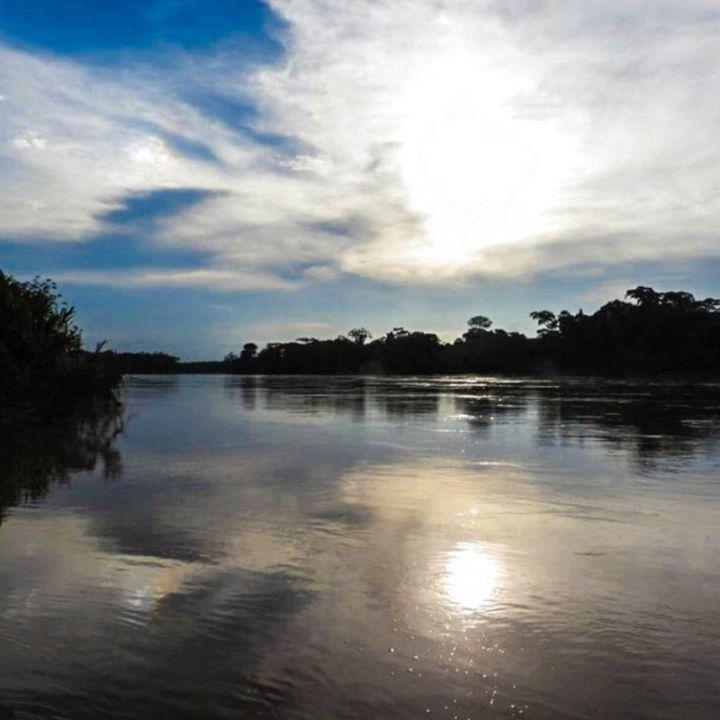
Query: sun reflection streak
<point x="470" y="577"/>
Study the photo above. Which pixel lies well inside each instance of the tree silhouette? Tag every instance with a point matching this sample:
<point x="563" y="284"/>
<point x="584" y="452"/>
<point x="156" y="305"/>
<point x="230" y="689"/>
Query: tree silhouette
<point x="43" y="368"/>
<point x="654" y="333"/>
<point x="643" y="295"/>
<point x="249" y="351"/>
<point x="546" y="320"/>
<point x="479" y="322"/>
<point x="359" y="335"/>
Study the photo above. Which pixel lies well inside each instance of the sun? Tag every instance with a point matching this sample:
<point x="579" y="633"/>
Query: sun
<point x="478" y="166"/>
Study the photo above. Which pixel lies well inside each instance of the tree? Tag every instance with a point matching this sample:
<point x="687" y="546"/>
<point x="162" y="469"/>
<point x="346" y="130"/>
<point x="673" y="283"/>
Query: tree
<point x="679" y="300"/>
<point x="547" y="321"/>
<point x="140" y="363"/>
<point x="249" y="351"/>
<point x="397" y="333"/>
<point x="709" y="305"/>
<point x="479" y="322"/>
<point x="643" y="295"/>
<point x="359" y="335"/>
<point x="43" y="369"/>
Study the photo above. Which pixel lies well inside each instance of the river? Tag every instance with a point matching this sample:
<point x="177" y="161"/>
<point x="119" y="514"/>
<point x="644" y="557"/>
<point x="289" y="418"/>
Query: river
<point x="314" y="547"/>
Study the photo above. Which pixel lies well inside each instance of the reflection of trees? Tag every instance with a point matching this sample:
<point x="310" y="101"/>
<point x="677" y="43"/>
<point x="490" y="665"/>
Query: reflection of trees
<point x="649" y="419"/>
<point x="482" y="411"/>
<point x="347" y="396"/>
<point x="315" y="395"/>
<point x="662" y="420"/>
<point x="246" y="386"/>
<point x="33" y="458"/>
<point x="398" y="406"/>
<point x="156" y="385"/>
<point x="248" y="390"/>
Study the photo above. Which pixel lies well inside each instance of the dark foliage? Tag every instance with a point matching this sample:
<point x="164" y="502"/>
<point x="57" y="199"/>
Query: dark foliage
<point x="159" y="363"/>
<point x="669" y="332"/>
<point x="648" y="334"/>
<point x="143" y="363"/>
<point x="44" y="371"/>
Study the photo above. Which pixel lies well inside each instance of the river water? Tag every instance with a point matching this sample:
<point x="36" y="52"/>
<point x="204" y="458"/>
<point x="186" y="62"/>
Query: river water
<point x="249" y="547"/>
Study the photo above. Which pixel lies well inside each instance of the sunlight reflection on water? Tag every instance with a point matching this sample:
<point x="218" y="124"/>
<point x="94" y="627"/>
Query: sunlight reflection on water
<point x="470" y="577"/>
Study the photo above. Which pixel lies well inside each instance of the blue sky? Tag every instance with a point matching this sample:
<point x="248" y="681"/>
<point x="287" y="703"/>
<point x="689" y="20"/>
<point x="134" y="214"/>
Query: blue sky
<point x="201" y="173"/>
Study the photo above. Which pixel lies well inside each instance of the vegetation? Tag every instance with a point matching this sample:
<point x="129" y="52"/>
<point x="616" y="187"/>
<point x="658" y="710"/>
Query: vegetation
<point x="649" y="333"/>
<point x="144" y="363"/>
<point x="44" y="371"/>
<point x="160" y="363"/>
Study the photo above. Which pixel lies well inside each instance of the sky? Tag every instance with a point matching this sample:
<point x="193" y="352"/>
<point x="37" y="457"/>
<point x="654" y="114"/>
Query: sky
<point x="197" y="174"/>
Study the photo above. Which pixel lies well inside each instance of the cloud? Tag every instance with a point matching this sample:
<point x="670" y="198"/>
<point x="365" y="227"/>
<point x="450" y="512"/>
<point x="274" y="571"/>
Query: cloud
<point x="219" y="307"/>
<point x="404" y="141"/>
<point x="73" y="146"/>
<point x="223" y="280"/>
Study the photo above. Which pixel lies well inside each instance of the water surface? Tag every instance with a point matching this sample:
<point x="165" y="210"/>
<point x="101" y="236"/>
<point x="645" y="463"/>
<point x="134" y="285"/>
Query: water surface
<point x="239" y="547"/>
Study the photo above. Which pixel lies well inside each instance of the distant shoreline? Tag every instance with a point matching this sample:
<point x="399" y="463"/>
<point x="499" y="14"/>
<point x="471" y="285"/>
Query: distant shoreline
<point x="713" y="379"/>
<point x="651" y="334"/>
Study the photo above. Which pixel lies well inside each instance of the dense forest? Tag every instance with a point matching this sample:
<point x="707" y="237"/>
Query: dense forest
<point x="44" y="370"/>
<point x="160" y="363"/>
<point x="649" y="333"/>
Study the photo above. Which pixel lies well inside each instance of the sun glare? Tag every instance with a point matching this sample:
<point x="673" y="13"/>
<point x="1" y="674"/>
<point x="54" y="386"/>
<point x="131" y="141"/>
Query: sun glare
<point x="478" y="169"/>
<point x="470" y="577"/>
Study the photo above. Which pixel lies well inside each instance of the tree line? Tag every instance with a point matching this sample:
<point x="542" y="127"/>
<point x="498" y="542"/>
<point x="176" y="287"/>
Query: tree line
<point x="647" y="333"/>
<point x="44" y="369"/>
<point x="161" y="363"/>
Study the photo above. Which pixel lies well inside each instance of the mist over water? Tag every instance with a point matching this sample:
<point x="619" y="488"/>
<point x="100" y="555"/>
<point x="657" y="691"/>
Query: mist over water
<point x="348" y="547"/>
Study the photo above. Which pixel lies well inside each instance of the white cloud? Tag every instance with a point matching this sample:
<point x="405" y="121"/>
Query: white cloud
<point x="95" y="149"/>
<point x="227" y="280"/>
<point x="29" y="141"/>
<point x="439" y="140"/>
